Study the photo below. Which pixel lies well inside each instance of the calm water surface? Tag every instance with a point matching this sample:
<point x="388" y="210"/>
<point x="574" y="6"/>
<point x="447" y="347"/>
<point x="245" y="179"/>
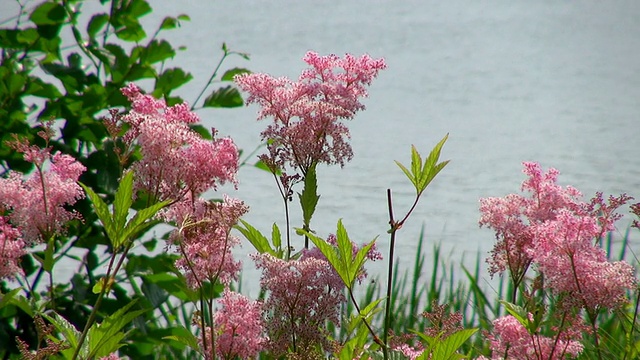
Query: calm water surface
<point x="550" y="81"/>
<point x="553" y="82"/>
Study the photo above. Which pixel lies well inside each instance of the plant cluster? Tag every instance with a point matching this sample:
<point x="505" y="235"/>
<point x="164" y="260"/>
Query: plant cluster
<point x="82" y="183"/>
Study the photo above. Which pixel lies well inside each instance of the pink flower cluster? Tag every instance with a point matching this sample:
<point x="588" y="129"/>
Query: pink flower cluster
<point x="559" y="233"/>
<point x="11" y="249"/>
<point x="175" y="159"/>
<point x="511" y="340"/>
<point x="306" y="112"/>
<point x="303" y="295"/>
<point x="239" y="328"/>
<point x="204" y="239"/>
<point x="37" y="205"/>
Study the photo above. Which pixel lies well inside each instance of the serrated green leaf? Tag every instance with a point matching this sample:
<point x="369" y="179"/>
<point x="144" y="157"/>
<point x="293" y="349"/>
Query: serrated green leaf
<point x="104" y="338"/>
<point x="70" y="333"/>
<point x="309" y="197"/>
<point x="133" y="32"/>
<point x="103" y="213"/>
<point x="230" y="74"/>
<point x="416" y="162"/>
<point x="140" y="221"/>
<point x="123" y="200"/>
<point x="518" y="312"/>
<point x="169" y="80"/>
<point x="276" y="237"/>
<point x="407" y="172"/>
<point x="224" y="97"/>
<point x="447" y="348"/>
<point x="158" y="50"/>
<point x="255" y="237"/>
<point x="187" y="338"/>
<point x="5" y="298"/>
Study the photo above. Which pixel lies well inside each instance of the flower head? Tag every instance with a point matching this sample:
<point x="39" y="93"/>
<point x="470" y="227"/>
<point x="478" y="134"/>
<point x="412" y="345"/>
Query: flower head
<point x="37" y="204"/>
<point x="204" y="239"/>
<point x="239" y="327"/>
<point x="306" y="113"/>
<point x="11" y="249"/>
<point x="303" y="295"/>
<point x="175" y="159"/>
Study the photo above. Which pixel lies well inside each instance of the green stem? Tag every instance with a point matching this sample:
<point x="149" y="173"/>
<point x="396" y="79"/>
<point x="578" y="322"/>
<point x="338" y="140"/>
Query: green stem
<point x="387" y="311"/>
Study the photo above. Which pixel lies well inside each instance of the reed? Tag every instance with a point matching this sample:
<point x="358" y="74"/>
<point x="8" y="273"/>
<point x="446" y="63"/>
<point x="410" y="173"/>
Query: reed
<point x="464" y="291"/>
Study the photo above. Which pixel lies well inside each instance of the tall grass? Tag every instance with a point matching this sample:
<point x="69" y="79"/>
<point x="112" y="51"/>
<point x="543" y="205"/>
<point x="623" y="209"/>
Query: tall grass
<point x="463" y="292"/>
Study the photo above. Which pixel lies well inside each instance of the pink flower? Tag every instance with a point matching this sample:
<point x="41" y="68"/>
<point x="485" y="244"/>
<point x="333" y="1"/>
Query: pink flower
<point x="511" y="340"/>
<point x="514" y="216"/>
<point x="302" y="296"/>
<point x="11" y="249"/>
<point x="306" y="113"/>
<point x="112" y="356"/>
<point x="572" y="264"/>
<point x="204" y="239"/>
<point x="175" y="159"/>
<point x="239" y="327"/>
<point x="37" y="204"/>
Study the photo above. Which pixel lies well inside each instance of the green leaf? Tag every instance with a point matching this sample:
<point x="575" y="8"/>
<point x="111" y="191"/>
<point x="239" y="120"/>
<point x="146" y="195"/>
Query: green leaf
<point x="518" y="312"/>
<point x="309" y="197"/>
<point x="202" y="131"/>
<point x="276" y="237"/>
<point x="97" y="22"/>
<point x="224" y="97"/>
<point x="123" y="200"/>
<point x="447" y="348"/>
<point x="48" y="13"/>
<point x="259" y="241"/>
<point x="64" y="327"/>
<point x="158" y="50"/>
<point x="230" y="74"/>
<point x="5" y="298"/>
<point x="139" y="222"/>
<point x="407" y="172"/>
<point x="169" y="80"/>
<point x="104" y="338"/>
<point x="169" y="23"/>
<point x="102" y="211"/>
<point x="133" y="32"/>
<point x="184" y="336"/>
<point x="421" y="174"/>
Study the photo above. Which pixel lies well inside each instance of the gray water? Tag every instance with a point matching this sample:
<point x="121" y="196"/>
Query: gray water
<point x="551" y="81"/>
<point x="556" y="82"/>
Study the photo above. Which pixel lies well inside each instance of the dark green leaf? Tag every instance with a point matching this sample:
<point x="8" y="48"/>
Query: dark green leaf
<point x="156" y="51"/>
<point x="202" y="131"/>
<point x="169" y="80"/>
<point x="132" y="32"/>
<point x="309" y="197"/>
<point x="48" y="13"/>
<point x="230" y="74"/>
<point x="224" y="97"/>
<point x="97" y="22"/>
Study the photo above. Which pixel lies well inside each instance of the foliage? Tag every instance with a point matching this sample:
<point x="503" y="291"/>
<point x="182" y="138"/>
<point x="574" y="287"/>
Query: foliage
<point x="44" y="77"/>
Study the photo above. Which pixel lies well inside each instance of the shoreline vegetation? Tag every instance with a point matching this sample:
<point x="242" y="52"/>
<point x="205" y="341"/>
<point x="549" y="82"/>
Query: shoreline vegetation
<point x="78" y="185"/>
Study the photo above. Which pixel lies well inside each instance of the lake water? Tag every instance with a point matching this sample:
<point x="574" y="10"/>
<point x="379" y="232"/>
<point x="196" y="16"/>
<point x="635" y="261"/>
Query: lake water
<point x="548" y="81"/>
<point x="556" y="82"/>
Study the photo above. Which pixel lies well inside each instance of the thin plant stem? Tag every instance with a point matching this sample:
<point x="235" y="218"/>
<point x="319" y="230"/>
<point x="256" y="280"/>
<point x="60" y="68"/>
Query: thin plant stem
<point x="387" y="311"/>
